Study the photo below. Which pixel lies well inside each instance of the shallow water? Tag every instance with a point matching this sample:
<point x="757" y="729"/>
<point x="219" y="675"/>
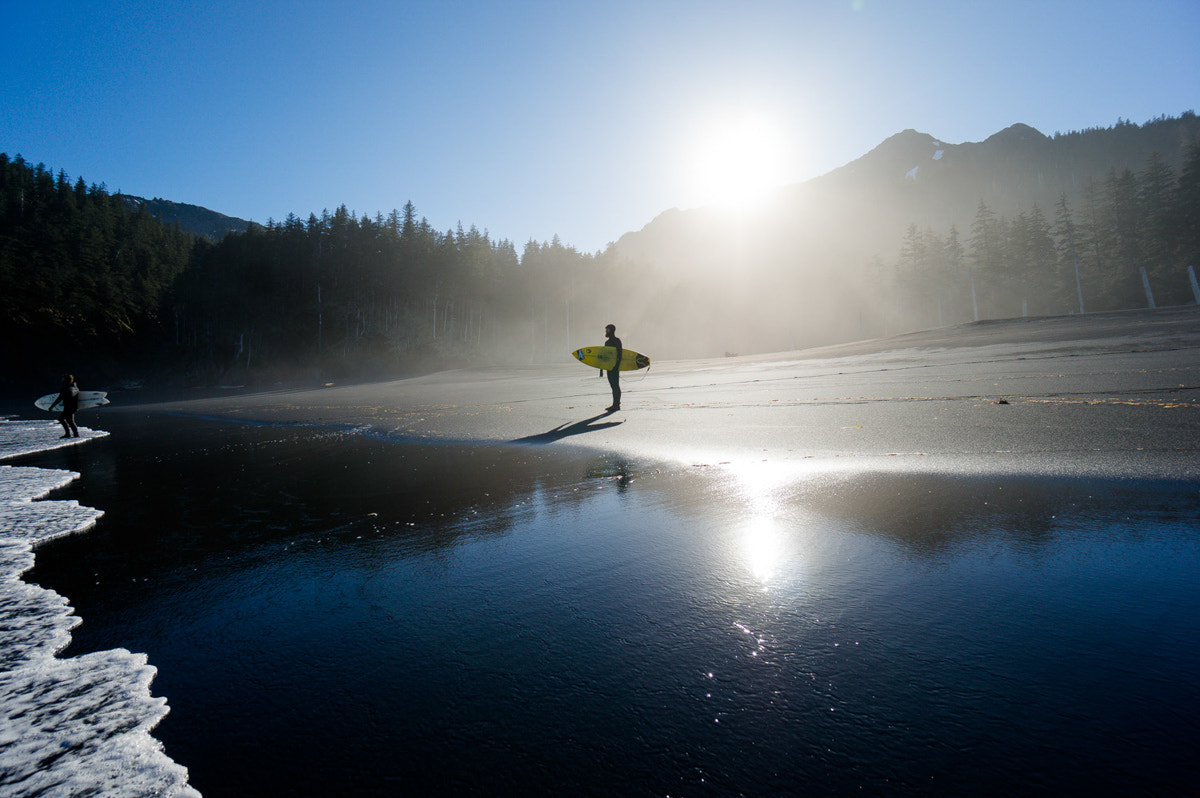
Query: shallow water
<point x="335" y="613"/>
<point x="68" y="726"/>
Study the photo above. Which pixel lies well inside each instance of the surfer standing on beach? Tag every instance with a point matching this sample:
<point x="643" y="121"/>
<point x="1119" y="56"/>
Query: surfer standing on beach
<point x="614" y="376"/>
<point x="68" y="394"/>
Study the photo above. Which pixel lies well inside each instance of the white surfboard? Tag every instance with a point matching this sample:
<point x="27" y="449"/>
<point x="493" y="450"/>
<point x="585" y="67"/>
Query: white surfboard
<point x="86" y="399"/>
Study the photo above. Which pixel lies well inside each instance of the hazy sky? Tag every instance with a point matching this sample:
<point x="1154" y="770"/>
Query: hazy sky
<point x="531" y="119"/>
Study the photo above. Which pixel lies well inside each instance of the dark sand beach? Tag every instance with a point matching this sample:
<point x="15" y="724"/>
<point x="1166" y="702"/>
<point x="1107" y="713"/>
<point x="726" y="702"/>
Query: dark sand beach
<point x="953" y="562"/>
<point x="1115" y="393"/>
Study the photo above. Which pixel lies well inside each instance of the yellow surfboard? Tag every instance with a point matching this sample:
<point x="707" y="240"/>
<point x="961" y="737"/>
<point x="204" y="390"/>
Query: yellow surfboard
<point x="603" y="357"/>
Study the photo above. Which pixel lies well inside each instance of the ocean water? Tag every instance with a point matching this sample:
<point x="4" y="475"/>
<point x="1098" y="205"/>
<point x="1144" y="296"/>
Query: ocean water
<point x="68" y="725"/>
<point x="331" y="612"/>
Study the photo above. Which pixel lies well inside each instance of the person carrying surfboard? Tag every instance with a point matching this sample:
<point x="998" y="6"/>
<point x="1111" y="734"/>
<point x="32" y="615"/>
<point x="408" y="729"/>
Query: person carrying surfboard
<point x="614" y="375"/>
<point x="68" y="394"/>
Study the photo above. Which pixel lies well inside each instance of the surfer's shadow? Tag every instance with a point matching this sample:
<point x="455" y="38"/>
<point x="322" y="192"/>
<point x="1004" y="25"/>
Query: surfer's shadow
<point x="569" y="429"/>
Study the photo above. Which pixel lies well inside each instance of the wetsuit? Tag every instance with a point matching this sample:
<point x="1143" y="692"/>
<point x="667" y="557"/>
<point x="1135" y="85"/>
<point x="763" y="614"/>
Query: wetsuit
<point x="614" y="376"/>
<point x="69" y="396"/>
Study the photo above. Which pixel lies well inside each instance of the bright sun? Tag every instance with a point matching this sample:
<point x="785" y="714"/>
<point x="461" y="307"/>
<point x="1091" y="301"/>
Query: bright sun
<point x="736" y="162"/>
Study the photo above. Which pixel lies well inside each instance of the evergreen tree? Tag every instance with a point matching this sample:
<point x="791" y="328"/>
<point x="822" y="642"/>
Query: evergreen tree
<point x="959" y="280"/>
<point x="1158" y="237"/>
<point x="83" y="271"/>
<point x="987" y="244"/>
<point x="1033" y="253"/>
<point x="1124" y="217"/>
<point x="1068" y="253"/>
<point x="1097" y="249"/>
<point x="1186" y="212"/>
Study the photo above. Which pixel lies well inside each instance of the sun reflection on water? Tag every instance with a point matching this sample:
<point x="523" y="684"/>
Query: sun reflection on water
<point x="764" y="538"/>
<point x="762" y="548"/>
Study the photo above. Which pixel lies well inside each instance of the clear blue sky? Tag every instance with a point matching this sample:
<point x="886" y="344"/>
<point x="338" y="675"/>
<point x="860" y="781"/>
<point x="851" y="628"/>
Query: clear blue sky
<point x="531" y="119"/>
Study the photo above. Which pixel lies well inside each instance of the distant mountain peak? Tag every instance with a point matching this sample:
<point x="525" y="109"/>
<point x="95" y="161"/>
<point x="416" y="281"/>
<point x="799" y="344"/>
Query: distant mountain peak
<point x="1017" y="132"/>
<point x="906" y="142"/>
<point x="898" y="156"/>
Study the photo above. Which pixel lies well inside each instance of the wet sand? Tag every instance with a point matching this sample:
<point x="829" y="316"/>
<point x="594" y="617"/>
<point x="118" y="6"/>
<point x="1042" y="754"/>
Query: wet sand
<point x="1111" y="394"/>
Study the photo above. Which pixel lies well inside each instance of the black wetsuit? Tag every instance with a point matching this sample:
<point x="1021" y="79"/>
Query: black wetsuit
<point x="614" y="376"/>
<point x="69" y="396"/>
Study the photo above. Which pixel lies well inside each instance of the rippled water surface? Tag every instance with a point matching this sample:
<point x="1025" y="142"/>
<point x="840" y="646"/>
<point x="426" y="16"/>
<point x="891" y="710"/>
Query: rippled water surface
<point x="336" y="613"/>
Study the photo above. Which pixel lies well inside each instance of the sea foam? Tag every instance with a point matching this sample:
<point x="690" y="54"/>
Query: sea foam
<point x="68" y="726"/>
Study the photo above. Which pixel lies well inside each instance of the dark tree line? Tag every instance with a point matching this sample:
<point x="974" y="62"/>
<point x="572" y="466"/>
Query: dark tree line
<point x="341" y="295"/>
<point x="91" y="278"/>
<point x="1078" y="259"/>
<point x="80" y="268"/>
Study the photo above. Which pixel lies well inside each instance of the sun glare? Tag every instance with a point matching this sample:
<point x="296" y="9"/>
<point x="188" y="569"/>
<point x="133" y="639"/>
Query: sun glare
<point x="736" y="163"/>
<point x="762" y="544"/>
<point x="763" y="537"/>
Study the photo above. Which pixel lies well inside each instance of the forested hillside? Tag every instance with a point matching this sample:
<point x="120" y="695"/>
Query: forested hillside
<point x="83" y="274"/>
<point x="338" y="295"/>
<point x="917" y="233"/>
<point x="93" y="283"/>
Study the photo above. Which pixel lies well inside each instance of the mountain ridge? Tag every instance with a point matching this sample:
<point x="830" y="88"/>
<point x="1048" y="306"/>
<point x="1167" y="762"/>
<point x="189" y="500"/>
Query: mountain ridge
<point x="194" y="219"/>
<point x="932" y="183"/>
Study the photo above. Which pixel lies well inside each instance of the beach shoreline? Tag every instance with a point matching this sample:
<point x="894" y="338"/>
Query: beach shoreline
<point x="885" y="515"/>
<point x="1108" y="394"/>
<point x="72" y="724"/>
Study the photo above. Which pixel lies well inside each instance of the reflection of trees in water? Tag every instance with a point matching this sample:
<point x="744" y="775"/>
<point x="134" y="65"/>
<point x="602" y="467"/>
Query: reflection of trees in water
<point x="931" y="513"/>
<point x="206" y="496"/>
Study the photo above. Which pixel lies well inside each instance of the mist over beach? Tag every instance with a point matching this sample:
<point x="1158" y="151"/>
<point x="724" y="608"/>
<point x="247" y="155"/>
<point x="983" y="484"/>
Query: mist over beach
<point x="1101" y="393"/>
